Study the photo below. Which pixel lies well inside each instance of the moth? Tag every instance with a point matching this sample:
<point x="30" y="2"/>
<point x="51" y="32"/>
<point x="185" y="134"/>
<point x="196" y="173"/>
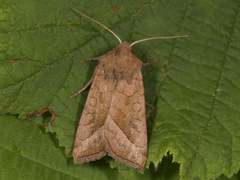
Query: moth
<point x="113" y="120"/>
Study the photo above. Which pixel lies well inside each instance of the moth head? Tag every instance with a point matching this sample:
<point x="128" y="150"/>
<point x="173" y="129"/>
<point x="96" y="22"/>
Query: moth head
<point x="124" y="48"/>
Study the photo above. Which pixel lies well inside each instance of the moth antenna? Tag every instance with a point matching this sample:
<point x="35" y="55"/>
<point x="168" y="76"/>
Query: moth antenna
<point x="99" y="24"/>
<point x="147" y="39"/>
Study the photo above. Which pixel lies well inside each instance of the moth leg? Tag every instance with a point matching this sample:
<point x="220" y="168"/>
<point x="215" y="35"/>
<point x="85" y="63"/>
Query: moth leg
<point x="90" y="59"/>
<point x="145" y="64"/>
<point x="83" y="89"/>
<point x="88" y="84"/>
<point x="149" y="105"/>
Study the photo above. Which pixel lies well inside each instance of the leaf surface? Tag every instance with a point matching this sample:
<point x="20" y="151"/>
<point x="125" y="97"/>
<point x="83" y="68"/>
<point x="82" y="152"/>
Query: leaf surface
<point x="194" y="85"/>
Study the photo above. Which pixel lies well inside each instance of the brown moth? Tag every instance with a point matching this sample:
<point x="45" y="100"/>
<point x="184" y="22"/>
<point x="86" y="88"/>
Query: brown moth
<point x="113" y="120"/>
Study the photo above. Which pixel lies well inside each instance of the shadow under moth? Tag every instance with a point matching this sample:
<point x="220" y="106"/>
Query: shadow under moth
<point x="113" y="120"/>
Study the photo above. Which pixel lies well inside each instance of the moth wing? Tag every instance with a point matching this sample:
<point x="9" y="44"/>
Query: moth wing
<point x="89" y="143"/>
<point x="125" y="126"/>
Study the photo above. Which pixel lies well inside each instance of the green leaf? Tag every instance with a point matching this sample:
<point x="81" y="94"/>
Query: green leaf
<point x="27" y="152"/>
<point x="194" y="85"/>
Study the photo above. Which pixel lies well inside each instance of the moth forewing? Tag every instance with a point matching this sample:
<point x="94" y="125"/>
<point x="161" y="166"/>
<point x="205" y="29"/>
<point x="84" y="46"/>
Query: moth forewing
<point x="89" y="142"/>
<point x="125" y="127"/>
<point x="113" y="119"/>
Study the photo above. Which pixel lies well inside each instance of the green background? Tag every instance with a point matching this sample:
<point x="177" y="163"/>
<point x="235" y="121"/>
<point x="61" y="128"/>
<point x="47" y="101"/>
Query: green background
<point x="195" y="85"/>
